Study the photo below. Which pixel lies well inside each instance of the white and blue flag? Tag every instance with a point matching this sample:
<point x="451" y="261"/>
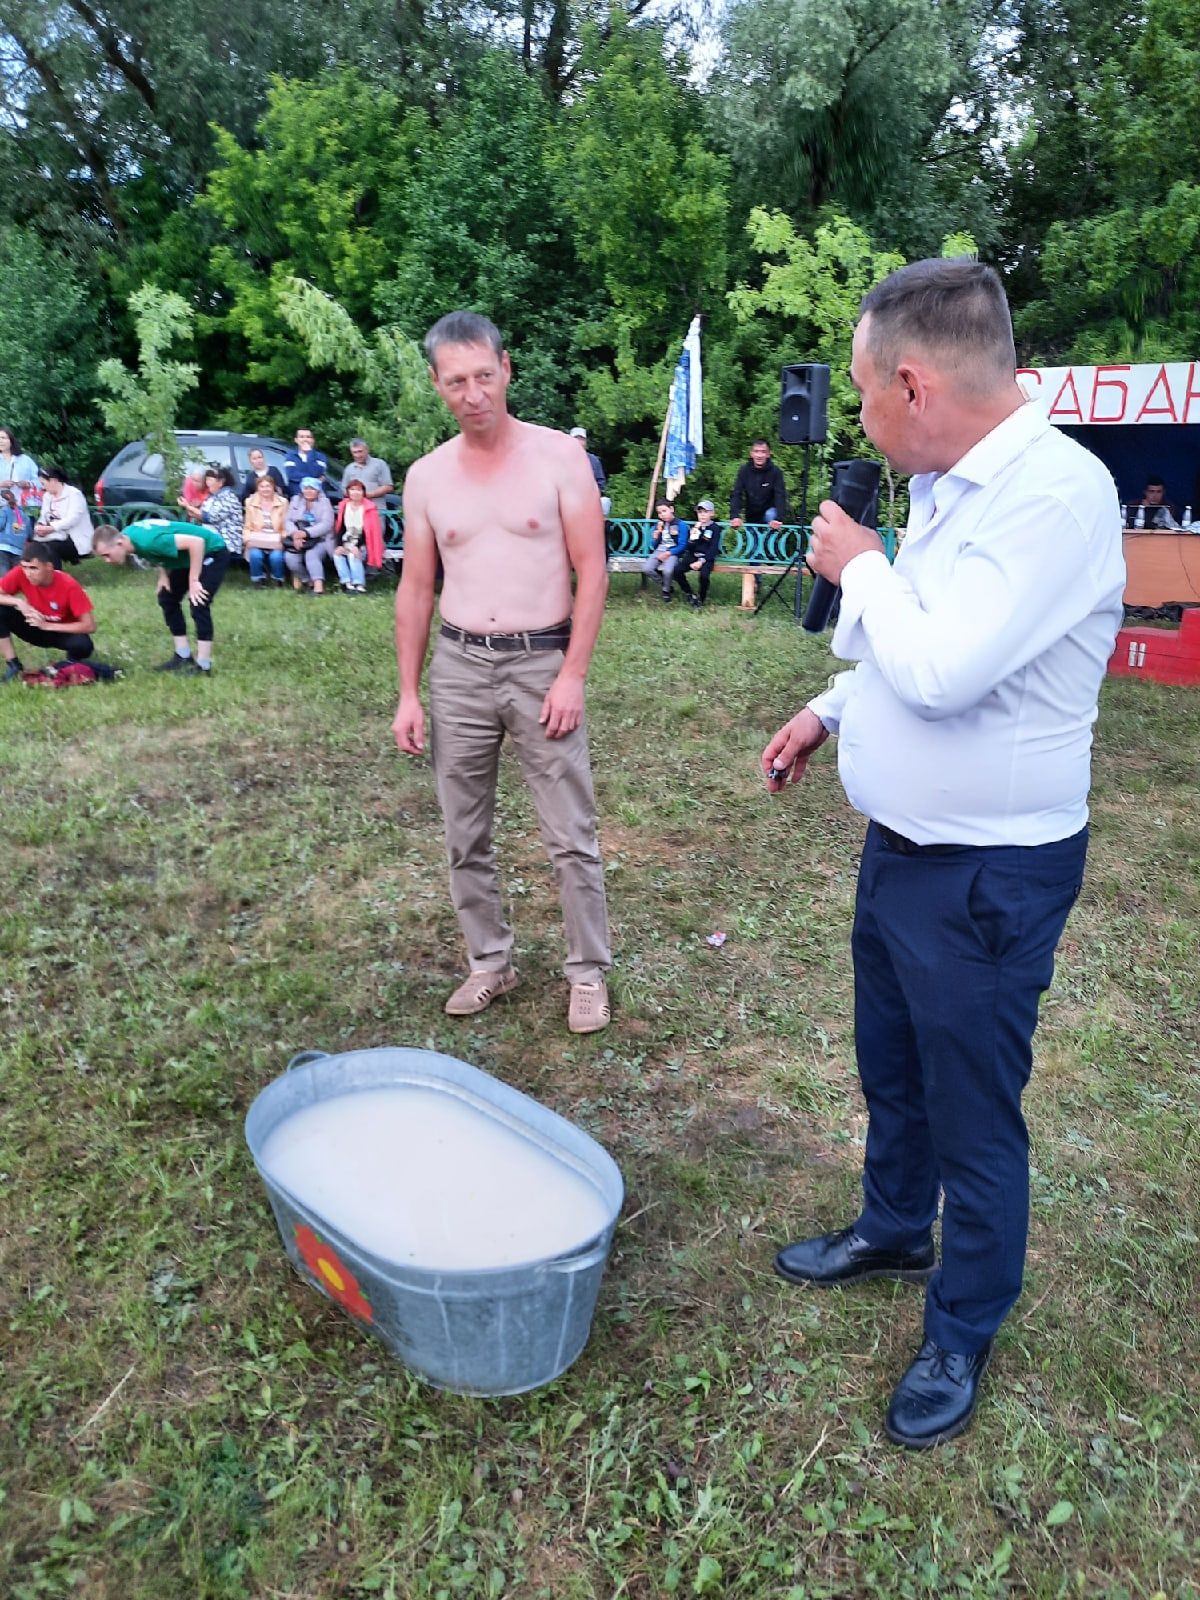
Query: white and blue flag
<point x="685" y="430"/>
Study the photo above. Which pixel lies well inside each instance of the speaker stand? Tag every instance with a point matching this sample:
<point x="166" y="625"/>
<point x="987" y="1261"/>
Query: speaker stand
<point x="796" y="564"/>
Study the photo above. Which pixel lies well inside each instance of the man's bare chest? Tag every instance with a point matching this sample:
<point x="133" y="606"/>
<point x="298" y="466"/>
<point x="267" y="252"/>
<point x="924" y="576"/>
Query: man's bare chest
<point x="506" y="507"/>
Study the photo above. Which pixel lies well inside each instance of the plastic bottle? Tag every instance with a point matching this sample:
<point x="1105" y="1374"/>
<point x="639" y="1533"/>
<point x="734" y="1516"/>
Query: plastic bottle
<point x="1187" y="517"/>
<point x="1139" y="520"/>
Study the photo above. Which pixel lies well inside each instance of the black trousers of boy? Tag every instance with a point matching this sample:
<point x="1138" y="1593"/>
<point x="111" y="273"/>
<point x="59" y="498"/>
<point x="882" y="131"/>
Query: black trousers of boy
<point x="171" y="598"/>
<point x="75" y="646"/>
<point x="703" y="576"/>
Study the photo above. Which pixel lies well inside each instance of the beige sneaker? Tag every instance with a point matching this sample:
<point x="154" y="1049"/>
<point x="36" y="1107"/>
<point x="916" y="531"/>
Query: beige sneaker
<point x="478" y="991"/>
<point x="589" y="1010"/>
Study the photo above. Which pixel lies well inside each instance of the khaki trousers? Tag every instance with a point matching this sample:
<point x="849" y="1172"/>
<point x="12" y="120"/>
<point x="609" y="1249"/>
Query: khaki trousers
<point x="476" y="697"/>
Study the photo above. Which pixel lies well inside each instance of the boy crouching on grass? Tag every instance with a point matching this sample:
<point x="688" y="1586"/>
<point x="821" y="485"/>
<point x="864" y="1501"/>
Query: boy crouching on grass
<point x="191" y="562"/>
<point x="42" y="606"/>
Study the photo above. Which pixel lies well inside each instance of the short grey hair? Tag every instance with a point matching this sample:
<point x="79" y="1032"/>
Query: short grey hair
<point x="954" y="308"/>
<point x="462" y="327"/>
<point x="362" y="442"/>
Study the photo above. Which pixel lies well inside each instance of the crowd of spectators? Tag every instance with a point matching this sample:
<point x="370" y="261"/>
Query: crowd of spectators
<point x="292" y="523"/>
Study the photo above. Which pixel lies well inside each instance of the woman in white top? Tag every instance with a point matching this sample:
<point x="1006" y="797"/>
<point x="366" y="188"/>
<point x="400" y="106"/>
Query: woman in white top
<point x="353" y="516"/>
<point x="64" y="526"/>
<point x="18" y="471"/>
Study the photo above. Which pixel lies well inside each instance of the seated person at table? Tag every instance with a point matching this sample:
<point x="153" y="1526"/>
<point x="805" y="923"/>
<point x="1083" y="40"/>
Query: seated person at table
<point x="669" y="540"/>
<point x="703" y="548"/>
<point x="308" y="535"/>
<point x="1156" y="513"/>
<point x="263" y="530"/>
<point x="43" y="606"/>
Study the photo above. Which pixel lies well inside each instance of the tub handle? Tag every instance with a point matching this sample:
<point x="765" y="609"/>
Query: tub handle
<point x="589" y="1255"/>
<point x="306" y="1057"/>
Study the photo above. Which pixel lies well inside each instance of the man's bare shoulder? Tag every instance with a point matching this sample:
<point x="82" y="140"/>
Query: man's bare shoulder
<point x="427" y="466"/>
<point x="549" y="442"/>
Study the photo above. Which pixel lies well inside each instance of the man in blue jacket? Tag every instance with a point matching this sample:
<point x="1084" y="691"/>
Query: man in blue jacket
<point x="669" y="540"/>
<point x="305" y="461"/>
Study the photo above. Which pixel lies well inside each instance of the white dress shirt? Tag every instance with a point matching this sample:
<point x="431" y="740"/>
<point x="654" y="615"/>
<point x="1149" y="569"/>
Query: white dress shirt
<point x="968" y="719"/>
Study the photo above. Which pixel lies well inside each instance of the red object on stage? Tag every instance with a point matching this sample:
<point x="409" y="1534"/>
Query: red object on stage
<point x="1168" y="655"/>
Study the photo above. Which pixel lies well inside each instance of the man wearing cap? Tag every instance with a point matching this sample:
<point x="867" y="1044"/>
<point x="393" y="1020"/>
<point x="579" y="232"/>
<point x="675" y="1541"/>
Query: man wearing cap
<point x="308" y="535"/>
<point x="512" y="511"/>
<point x="598" y="471"/>
<point x="703" y="548"/>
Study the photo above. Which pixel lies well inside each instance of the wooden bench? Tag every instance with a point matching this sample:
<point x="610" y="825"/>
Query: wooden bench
<point x="754" y="550"/>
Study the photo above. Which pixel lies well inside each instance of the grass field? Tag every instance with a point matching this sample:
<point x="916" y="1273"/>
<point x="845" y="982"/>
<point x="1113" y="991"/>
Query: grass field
<point x="202" y="877"/>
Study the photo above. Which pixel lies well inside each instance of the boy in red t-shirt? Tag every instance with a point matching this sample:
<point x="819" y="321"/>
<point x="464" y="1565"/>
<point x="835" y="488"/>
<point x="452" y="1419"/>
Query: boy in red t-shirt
<point x="45" y="607"/>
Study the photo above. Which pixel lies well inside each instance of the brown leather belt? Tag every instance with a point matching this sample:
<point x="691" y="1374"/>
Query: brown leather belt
<point x="557" y="637"/>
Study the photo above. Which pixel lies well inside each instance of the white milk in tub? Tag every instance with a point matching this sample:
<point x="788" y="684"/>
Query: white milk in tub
<point x="425" y="1180"/>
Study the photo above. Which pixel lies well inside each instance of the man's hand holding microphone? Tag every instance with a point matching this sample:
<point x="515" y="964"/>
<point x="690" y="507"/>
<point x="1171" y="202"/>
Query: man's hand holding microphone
<point x="836" y="540"/>
<point x="838" y="535"/>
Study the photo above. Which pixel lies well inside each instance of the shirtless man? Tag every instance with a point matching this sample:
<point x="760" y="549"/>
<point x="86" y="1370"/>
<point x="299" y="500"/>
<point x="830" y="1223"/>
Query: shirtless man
<point x="511" y="509"/>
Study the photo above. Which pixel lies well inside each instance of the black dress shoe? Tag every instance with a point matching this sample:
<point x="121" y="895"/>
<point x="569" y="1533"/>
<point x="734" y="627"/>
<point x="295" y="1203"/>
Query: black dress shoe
<point x="935" y="1399"/>
<point x="842" y="1257"/>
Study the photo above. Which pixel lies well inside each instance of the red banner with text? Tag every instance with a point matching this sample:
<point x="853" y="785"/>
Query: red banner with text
<point x="1149" y="392"/>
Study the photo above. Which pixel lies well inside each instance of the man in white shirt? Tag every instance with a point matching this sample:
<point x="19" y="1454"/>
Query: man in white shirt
<point x="965" y="735"/>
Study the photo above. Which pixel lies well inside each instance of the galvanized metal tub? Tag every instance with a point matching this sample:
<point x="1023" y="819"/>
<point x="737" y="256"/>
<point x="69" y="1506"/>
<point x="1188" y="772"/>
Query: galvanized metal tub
<point x="494" y="1331"/>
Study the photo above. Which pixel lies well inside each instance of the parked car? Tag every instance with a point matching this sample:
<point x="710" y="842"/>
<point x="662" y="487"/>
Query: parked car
<point x="134" y="476"/>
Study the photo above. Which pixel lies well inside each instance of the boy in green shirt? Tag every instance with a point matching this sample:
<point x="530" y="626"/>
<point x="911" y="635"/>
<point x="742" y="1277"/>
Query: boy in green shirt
<point x="191" y="561"/>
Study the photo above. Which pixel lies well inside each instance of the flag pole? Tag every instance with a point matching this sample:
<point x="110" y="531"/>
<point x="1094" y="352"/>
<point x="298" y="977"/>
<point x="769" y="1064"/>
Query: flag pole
<point x="662" y="450"/>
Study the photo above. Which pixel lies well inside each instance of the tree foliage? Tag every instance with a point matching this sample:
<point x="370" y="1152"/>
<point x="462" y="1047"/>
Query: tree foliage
<point x="144" y="403"/>
<point x="401" y="412"/>
<point x="49" y="343"/>
<point x="591" y="173"/>
<point x="876" y="105"/>
<point x="1120" y="280"/>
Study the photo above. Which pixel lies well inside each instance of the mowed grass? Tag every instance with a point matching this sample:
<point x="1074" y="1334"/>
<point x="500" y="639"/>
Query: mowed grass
<point x="202" y="877"/>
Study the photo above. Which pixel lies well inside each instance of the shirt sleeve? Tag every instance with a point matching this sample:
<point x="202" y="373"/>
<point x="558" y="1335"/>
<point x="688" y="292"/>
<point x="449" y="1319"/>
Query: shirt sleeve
<point x="1014" y="591"/>
<point x="78" y="602"/>
<point x="829" y="705"/>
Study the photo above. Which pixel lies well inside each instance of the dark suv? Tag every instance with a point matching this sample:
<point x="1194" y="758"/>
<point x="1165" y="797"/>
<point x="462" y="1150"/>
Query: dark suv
<point x="134" y="476"/>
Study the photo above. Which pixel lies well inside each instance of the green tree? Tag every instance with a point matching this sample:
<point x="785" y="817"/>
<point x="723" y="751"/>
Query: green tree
<point x="401" y="412"/>
<point x="809" y="298"/>
<point x="49" y="344"/>
<point x="1061" y="79"/>
<point x="110" y="88"/>
<point x="485" y="228"/>
<point x="323" y="197"/>
<point x="1121" y="281"/>
<point x="880" y="107"/>
<point x="649" y="204"/>
<point x="145" y="403"/>
<point x="648" y="199"/>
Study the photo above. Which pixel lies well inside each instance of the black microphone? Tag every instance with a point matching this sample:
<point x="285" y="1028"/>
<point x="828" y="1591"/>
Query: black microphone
<point x="855" y="488"/>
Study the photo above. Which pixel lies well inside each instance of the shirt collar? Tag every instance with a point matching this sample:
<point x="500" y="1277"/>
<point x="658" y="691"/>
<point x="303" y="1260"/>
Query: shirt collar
<point x="1001" y="447"/>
